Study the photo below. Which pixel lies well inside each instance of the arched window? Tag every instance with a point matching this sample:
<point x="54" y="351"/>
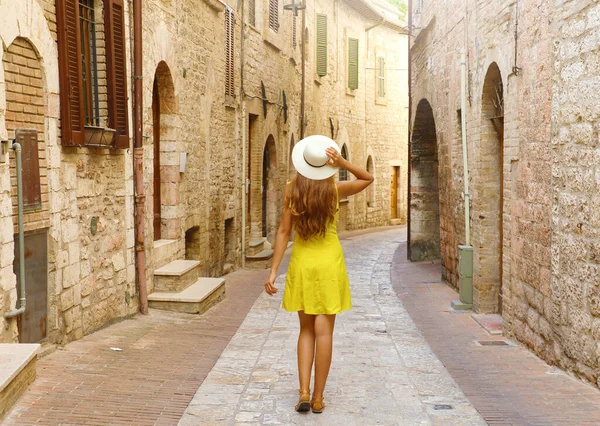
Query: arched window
<point x="344" y="172"/>
<point x="371" y="189"/>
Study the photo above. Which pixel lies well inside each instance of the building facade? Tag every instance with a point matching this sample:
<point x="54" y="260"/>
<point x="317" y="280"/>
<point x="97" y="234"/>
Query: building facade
<point x="532" y="135"/>
<point x="221" y="112"/>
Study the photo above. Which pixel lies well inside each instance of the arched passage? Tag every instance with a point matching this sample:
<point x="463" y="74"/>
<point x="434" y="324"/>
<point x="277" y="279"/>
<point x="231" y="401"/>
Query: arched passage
<point x="424" y="209"/>
<point x="166" y="176"/>
<point x="270" y="195"/>
<point x="488" y="201"/>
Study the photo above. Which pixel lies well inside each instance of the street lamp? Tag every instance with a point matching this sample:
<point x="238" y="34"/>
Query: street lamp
<point x="295" y="6"/>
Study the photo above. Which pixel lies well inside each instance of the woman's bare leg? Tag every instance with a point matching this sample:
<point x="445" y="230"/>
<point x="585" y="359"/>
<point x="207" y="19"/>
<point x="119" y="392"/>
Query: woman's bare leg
<point x="306" y="348"/>
<point x="323" y="326"/>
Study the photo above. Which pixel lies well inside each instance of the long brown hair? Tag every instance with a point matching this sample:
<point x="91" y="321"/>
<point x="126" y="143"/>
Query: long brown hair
<point x="313" y="204"/>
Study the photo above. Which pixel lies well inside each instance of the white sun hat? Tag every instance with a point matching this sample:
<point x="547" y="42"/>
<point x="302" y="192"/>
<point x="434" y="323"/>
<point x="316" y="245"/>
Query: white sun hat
<point x="309" y="157"/>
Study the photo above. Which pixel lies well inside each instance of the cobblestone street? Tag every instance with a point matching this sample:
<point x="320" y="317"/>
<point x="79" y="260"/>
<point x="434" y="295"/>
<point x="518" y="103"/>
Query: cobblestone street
<point x="383" y="371"/>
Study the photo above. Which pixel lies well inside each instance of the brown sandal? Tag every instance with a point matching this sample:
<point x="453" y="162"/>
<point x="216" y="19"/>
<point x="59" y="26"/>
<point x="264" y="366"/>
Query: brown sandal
<point x="317" y="404"/>
<point x="303" y="404"/>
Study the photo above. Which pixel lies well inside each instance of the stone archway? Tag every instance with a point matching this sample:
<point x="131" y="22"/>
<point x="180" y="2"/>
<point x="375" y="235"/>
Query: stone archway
<point x="487" y="231"/>
<point x="165" y="174"/>
<point x="270" y="191"/>
<point x="424" y="209"/>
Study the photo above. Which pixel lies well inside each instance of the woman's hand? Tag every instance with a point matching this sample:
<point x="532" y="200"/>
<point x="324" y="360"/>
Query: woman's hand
<point x="270" y="284"/>
<point x="335" y="158"/>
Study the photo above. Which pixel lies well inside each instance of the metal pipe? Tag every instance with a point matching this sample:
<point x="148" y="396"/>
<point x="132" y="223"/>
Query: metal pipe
<point x="463" y="118"/>
<point x="303" y="70"/>
<point x="138" y="158"/>
<point x="408" y="196"/>
<point x="23" y="302"/>
<point x="243" y="137"/>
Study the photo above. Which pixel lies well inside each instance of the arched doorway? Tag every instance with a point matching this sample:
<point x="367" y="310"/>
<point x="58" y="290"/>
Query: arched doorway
<point x="489" y="199"/>
<point x="270" y="192"/>
<point x="165" y="180"/>
<point x="424" y="209"/>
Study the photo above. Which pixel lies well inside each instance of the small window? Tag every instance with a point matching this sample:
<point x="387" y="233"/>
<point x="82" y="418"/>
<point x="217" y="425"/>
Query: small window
<point x="381" y="77"/>
<point x="229" y="46"/>
<point x="321" y="44"/>
<point x="352" y="63"/>
<point x="344" y="172"/>
<point x="252" y="12"/>
<point x="274" y="15"/>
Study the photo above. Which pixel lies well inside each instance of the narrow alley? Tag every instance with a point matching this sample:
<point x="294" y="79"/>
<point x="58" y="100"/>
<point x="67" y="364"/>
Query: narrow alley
<point x="204" y="370"/>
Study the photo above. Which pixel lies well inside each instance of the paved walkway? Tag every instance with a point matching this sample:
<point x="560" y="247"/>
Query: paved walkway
<point x="508" y="385"/>
<point x="165" y="357"/>
<point x="383" y="371"/>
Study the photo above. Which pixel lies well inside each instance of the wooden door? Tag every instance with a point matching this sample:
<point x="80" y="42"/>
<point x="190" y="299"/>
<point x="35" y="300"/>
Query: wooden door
<point x="394" y="192"/>
<point x="156" y="180"/>
<point x="32" y="324"/>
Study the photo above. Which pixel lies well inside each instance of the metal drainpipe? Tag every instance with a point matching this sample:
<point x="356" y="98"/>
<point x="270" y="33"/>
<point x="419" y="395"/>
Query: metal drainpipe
<point x="138" y="157"/>
<point x="463" y="118"/>
<point x="11" y="314"/>
<point x="409" y="126"/>
<point x="243" y="137"/>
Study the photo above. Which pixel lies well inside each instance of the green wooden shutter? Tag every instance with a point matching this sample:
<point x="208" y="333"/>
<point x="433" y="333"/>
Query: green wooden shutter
<point x="321" y="44"/>
<point x="352" y="63"/>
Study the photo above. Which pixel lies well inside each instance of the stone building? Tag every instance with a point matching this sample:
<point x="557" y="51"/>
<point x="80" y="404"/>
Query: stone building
<point x="532" y="131"/>
<point x="221" y="113"/>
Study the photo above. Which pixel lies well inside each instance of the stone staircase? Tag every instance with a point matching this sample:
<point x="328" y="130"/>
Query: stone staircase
<point x="259" y="254"/>
<point x="17" y="371"/>
<point x="178" y="287"/>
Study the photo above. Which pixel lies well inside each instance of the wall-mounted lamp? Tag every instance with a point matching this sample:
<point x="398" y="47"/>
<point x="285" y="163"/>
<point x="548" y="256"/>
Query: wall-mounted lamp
<point x="294" y="6"/>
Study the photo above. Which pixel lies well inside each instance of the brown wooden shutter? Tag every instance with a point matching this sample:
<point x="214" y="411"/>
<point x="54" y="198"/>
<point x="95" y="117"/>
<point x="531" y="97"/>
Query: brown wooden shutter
<point x="71" y="85"/>
<point x="274" y="15"/>
<point x="114" y="26"/>
<point x="252" y="13"/>
<point x="30" y="166"/>
<point x="229" y="58"/>
<point x="321" y="44"/>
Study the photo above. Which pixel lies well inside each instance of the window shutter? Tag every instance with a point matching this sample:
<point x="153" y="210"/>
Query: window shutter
<point x="252" y="12"/>
<point x="274" y="15"/>
<point x="381" y="77"/>
<point x="229" y="58"/>
<point x="30" y="166"/>
<point x="352" y="63"/>
<point x="71" y="90"/>
<point x="114" y="26"/>
<point x="294" y="38"/>
<point x="321" y="44"/>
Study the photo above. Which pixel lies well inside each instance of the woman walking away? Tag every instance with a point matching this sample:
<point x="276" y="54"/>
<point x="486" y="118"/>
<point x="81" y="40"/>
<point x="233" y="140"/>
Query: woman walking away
<point x="317" y="282"/>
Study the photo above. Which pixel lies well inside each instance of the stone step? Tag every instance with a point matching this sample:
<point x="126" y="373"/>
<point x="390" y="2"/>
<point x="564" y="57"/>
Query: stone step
<point x="165" y="251"/>
<point x="196" y="299"/>
<point x="260" y="260"/>
<point x="255" y="246"/>
<point x="17" y="371"/>
<point x="176" y="276"/>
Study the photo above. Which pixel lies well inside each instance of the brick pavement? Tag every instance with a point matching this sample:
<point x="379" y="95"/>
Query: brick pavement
<point x="165" y="358"/>
<point x="507" y="385"/>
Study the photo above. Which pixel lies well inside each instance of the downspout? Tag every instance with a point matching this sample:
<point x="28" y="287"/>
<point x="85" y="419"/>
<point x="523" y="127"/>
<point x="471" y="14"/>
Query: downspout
<point x="245" y="180"/>
<point x="463" y="119"/>
<point x="22" y="305"/>
<point x="138" y="157"/>
<point x="409" y="127"/>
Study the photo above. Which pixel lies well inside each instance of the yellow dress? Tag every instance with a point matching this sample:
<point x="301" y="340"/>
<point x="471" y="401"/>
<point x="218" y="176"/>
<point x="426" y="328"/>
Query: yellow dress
<point x="317" y="281"/>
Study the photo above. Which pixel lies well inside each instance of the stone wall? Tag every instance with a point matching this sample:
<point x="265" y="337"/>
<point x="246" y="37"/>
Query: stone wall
<point x="532" y="136"/>
<point x="88" y="208"/>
